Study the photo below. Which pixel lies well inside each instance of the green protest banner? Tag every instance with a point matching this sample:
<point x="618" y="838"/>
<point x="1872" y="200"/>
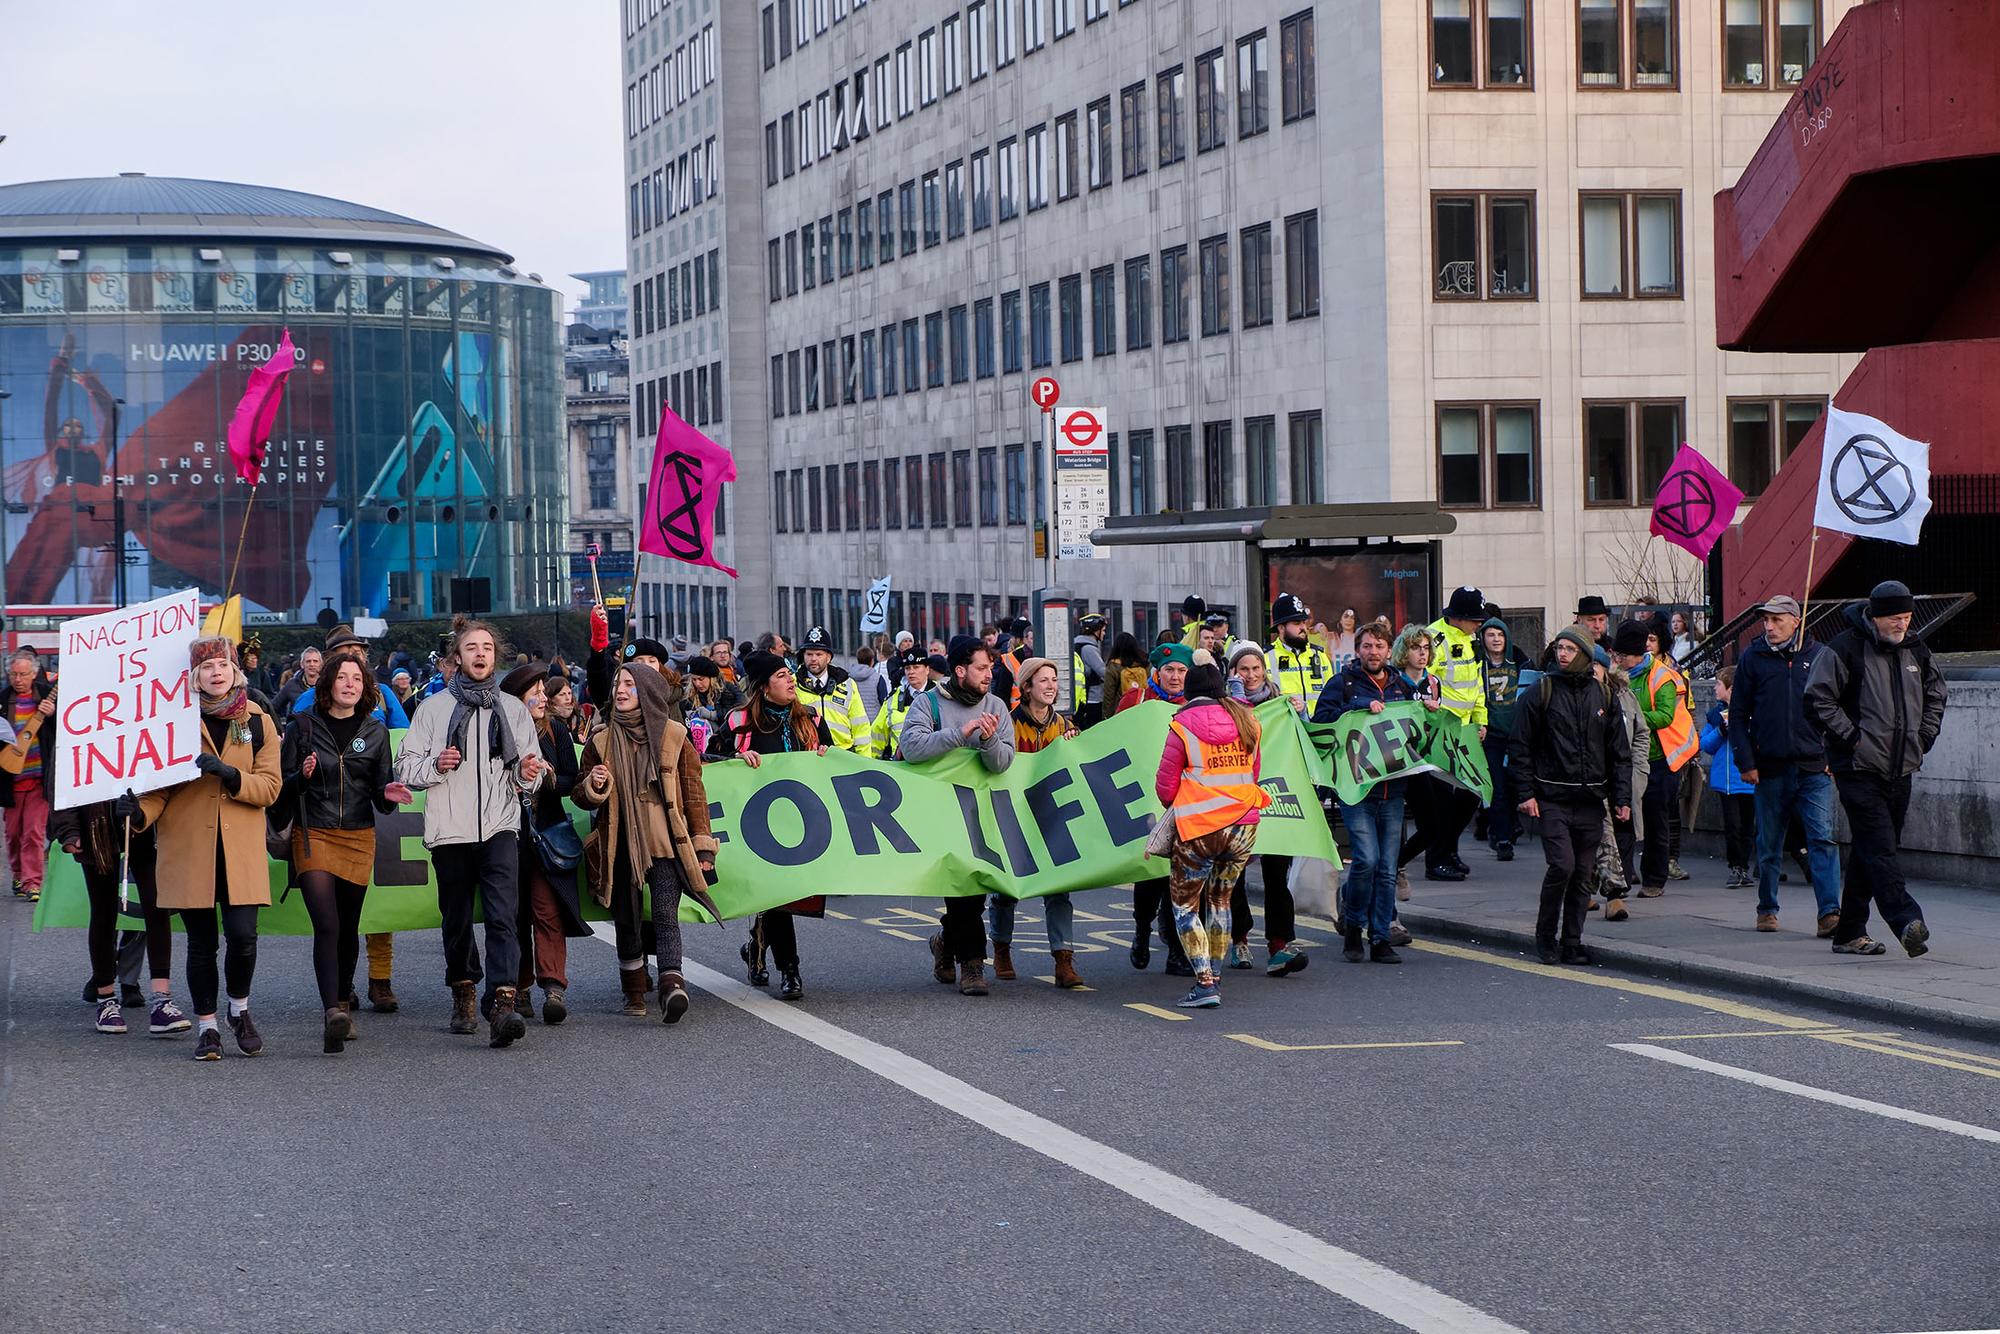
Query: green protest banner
<point x="1072" y="817"/>
<point x="1360" y="749"/>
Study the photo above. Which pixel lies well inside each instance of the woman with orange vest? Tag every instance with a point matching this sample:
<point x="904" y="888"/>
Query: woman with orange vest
<point x="1657" y="688"/>
<point x="1208" y="782"/>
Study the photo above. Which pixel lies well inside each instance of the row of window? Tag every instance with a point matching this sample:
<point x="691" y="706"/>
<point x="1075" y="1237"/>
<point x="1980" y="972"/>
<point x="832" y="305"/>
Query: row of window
<point x="790" y="24"/>
<point x="685" y="290"/>
<point x="686" y="70"/>
<point x="931" y="616"/>
<point x="676" y="187"/>
<point x="1483" y="245"/>
<point x="695" y="395"/>
<point x="1621" y="43"/>
<point x="1489" y="454"/>
<point x="638" y="13"/>
<point x="934" y="65"/>
<point x="699" y="611"/>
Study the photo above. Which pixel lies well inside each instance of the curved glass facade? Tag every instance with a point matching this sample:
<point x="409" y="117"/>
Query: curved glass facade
<point x="421" y="438"/>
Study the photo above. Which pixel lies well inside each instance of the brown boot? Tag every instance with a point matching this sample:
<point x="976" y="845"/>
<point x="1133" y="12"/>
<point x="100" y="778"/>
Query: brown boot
<point x="381" y="996"/>
<point x="505" y="1025"/>
<point x="347" y="1013"/>
<point x="1003" y="961"/>
<point x="464" y="1007"/>
<point x="972" y="978"/>
<point x="941" y="964"/>
<point x="524" y="1001"/>
<point x="1614" y="910"/>
<point x="1066" y="969"/>
<point x="636" y="984"/>
<point x="673" y="997"/>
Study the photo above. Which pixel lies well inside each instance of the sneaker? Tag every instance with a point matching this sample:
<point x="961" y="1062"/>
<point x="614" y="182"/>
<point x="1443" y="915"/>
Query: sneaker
<point x="1738" y="878"/>
<point x="1398" y="933"/>
<point x="248" y="1040"/>
<point x="1861" y="945"/>
<point x="1828" y="924"/>
<point x="109" y="1018"/>
<point x="945" y="969"/>
<point x="1201" y="996"/>
<point x="130" y="996"/>
<point x="1674" y="871"/>
<point x="1457" y="863"/>
<point x="1652" y="891"/>
<point x="1914" y="936"/>
<point x="555" y="1005"/>
<point x="1447" y="873"/>
<point x="167" y="1019"/>
<point x="1503" y="852"/>
<point x="1576" y="954"/>
<point x="1767" y="921"/>
<point x="1383" y="952"/>
<point x="208" y="1047"/>
<point x="1239" y="954"/>
<point x="1286" y="960"/>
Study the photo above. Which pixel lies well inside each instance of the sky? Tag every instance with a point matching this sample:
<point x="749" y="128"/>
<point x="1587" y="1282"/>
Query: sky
<point x="498" y="119"/>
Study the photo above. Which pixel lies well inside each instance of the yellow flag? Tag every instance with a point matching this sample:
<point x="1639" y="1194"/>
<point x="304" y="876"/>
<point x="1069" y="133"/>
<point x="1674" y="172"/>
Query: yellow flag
<point x="225" y="619"/>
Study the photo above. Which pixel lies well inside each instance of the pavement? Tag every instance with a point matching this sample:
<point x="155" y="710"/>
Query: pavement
<point x="1467" y="1141"/>
<point x="1700" y="932"/>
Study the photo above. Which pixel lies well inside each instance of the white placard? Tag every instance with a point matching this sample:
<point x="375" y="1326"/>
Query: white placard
<point x="126" y="718"/>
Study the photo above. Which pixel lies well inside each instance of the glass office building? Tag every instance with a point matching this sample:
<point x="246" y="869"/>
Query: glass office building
<point x="416" y="467"/>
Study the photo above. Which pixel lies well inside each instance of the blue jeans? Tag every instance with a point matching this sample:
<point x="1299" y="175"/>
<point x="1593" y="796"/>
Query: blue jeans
<point x="1058" y="914"/>
<point x="1374" y="833"/>
<point x="1781" y="793"/>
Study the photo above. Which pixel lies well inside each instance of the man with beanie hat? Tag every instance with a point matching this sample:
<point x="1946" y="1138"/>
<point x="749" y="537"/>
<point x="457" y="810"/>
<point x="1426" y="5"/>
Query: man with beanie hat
<point x="1879" y="699"/>
<point x="1570" y="756"/>
<point x="829" y="691"/>
<point x="1456" y="662"/>
<point x="1299" y="667"/>
<point x="1502" y="669"/>
<point x="961" y="711"/>
<point x="1663" y="704"/>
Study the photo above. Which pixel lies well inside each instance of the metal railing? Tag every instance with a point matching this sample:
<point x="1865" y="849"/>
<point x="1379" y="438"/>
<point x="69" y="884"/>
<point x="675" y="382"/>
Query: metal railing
<point x="1824" y="620"/>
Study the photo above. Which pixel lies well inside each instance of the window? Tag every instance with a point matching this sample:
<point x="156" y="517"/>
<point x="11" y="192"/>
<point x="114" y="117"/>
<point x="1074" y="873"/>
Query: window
<point x="954" y="54"/>
<point x="775" y="278"/>
<point x="777" y="386"/>
<point x="1006" y="17"/>
<point x="1748" y="25"/>
<point x="1038" y="167"/>
<point x="885" y="227"/>
<point x="808" y="243"/>
<point x="1103" y="311"/>
<point x="1503" y="267"/>
<point x="1298" y="66"/>
<point x="1138" y="303"/>
<point x="954" y="200"/>
<point x="1257" y="308"/>
<point x="1098" y="127"/>
<point x="940" y="493"/>
<point x="1302" y="265"/>
<point x="906" y="196"/>
<point x="982" y="190"/>
<point x="1631" y="245"/>
<point x="1093" y="10"/>
<point x="1017" y="486"/>
<point x="1070" y="312"/>
<point x="1488" y="455"/>
<point x="1132" y="129"/>
<point x="812" y="379"/>
<point x="871" y="494"/>
<point x="851" y="488"/>
<point x="1040" y="352"/>
<point x="1065" y="18"/>
<point x="982" y="337"/>
<point x="1010" y="332"/>
<point x="1180" y="468"/>
<point x="927" y="67"/>
<point x="1010" y="179"/>
<point x="771" y="153"/>
<point x="1464" y="31"/>
<point x="1173" y="296"/>
<point x="844" y="227"/>
<point x="1308" y="464"/>
<point x="975" y="22"/>
<point x="1034" y="25"/>
<point x="850" y="371"/>
<point x="1260" y="460"/>
<point x="889" y="344"/>
<point x="868" y="364"/>
<point x="989" y="487"/>
<point x="1608" y="31"/>
<point x="961" y="488"/>
<point x="906" y="84"/>
<point x="1211" y="105"/>
<point x="892" y="494"/>
<point x="961" y="354"/>
<point x="826" y="250"/>
<point x="913" y="488"/>
<point x="1253" y="85"/>
<point x="934" y="350"/>
<point x="1627" y="448"/>
<point x="780" y="513"/>
<point x="1218" y="466"/>
<point x="1757" y="449"/>
<point x="912" y="370"/>
<point x="813" y="493"/>
<point x="1173" y="115"/>
<point x="1066" y="177"/>
<point x="1139" y="470"/>
<point x="1214" y="286"/>
<point x="933" y="212"/>
<point x="864" y="220"/>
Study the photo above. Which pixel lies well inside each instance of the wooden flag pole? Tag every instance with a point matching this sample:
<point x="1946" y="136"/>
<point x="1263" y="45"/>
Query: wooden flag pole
<point x="241" y="536"/>
<point x="1805" y="603"/>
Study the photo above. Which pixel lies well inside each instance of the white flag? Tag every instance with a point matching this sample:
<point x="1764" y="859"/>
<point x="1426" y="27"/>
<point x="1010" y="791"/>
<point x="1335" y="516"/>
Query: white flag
<point x="875" y="620"/>
<point x="1873" y="481"/>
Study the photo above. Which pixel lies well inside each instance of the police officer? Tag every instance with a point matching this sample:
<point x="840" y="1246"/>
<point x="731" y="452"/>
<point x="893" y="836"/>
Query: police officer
<point x="918" y="672"/>
<point x="832" y="694"/>
<point x="1299" y="667"/>
<point x="1086" y="670"/>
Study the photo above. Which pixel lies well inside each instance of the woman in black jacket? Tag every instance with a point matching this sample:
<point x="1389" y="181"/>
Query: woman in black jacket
<point x="338" y="775"/>
<point x="549" y="911"/>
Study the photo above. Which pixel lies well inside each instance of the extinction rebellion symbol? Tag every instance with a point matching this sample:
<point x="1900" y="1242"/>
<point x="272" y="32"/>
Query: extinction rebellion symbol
<point x="679" y="524"/>
<point x="1686" y="505"/>
<point x="1869" y="483"/>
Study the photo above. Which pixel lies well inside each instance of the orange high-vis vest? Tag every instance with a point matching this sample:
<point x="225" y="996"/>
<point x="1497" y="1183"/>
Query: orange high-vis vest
<point x="1678" y="742"/>
<point x="1012" y="657"/>
<point x="1218" y="786"/>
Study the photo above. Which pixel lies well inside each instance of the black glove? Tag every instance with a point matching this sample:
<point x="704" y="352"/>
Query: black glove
<point x="125" y="807"/>
<point x="228" y="773"/>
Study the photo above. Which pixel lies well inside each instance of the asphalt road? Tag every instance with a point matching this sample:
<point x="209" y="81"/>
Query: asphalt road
<point x="894" y="1156"/>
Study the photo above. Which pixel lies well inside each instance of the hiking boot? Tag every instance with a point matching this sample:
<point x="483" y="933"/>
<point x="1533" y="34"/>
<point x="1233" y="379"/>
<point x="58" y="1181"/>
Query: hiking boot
<point x="1914" y="937"/>
<point x="1398" y="933"/>
<point x="1142" y="951"/>
<point x="972" y="978"/>
<point x="1860" y="945"/>
<point x="673" y="997"/>
<point x="464" y="1007"/>
<point x="1503" y="852"/>
<point x="1201" y="996"/>
<point x="1674" y="871"/>
<point x="1768" y="921"/>
<point x="1457" y="863"/>
<point x="1350" y="949"/>
<point x="110" y="1018"/>
<point x="635" y="984"/>
<point x="248" y="1040"/>
<point x="382" y="996"/>
<point x="166" y="1018"/>
<point x="333" y="1033"/>
<point x="555" y="1005"/>
<point x="1003" y="961"/>
<point x="130" y="996"/>
<point x="1739" y="878"/>
<point x="945" y="970"/>
<point x="1576" y="954"/>
<point x="1383" y="952"/>
<point x="1287" y="959"/>
<point x="505" y="1025"/>
<point x="1614" y="910"/>
<point x="1239" y="954"/>
<point x="353" y="1032"/>
<point x="1652" y="891"/>
<point x="753" y="969"/>
<point x="1828" y="922"/>
<point x="1402" y="884"/>
<point x="790" y="988"/>
<point x="1066" y="977"/>
<point x="1446" y="873"/>
<point x="1545" y="950"/>
<point x="524" y="1002"/>
<point x="208" y="1047"/>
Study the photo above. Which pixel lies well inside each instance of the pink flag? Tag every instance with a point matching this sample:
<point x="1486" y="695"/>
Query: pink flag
<point x="689" y="470"/>
<point x="250" y="425"/>
<point x="1696" y="503"/>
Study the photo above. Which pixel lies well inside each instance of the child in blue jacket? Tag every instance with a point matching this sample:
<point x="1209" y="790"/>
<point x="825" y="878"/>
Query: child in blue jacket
<point x="1739" y="799"/>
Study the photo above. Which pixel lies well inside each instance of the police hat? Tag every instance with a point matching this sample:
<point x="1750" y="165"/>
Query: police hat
<point x="818" y="638"/>
<point x="1288" y="607"/>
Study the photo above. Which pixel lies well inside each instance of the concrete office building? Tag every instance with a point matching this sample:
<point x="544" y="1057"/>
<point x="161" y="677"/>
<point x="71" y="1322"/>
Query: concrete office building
<point x="1447" y="255"/>
<point x="603" y="473"/>
<point x="606" y="303"/>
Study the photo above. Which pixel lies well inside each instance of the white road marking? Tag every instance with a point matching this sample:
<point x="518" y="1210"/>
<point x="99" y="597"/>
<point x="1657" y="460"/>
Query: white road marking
<point x="1883" y="1109"/>
<point x="1406" y="1301"/>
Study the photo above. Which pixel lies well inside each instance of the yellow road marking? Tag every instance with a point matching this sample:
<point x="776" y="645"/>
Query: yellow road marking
<point x="900" y="935"/>
<point x="1262" y="1045"/>
<point x="925" y="918"/>
<point x="1083" y="916"/>
<point x="1969" y="1068"/>
<point x="1752" y="1033"/>
<point x="1158" y="1013"/>
<point x="1938" y="1051"/>
<point x="1051" y="980"/>
<point x="838" y="916"/>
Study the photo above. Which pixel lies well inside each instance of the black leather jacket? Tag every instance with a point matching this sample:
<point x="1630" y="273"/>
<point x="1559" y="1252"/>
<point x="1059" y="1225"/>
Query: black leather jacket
<point x="345" y="791"/>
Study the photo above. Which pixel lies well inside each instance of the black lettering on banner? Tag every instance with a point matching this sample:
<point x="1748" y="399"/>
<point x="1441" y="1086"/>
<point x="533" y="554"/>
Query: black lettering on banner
<point x="1052" y="817"/>
<point x="968" y="807"/>
<point x="1020" y="859"/>
<point x="1115" y="799"/>
<point x="865" y="818"/>
<point x="715" y="823"/>
<point x="1392" y="739"/>
<point x="1358" y="767"/>
<point x="816" y="837"/>
<point x="1284" y="806"/>
<point x="391" y="866"/>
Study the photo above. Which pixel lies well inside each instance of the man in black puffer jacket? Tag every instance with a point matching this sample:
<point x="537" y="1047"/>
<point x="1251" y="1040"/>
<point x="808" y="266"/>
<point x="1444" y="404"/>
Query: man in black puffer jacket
<point x="1569" y="756"/>
<point x="1878" y="698"/>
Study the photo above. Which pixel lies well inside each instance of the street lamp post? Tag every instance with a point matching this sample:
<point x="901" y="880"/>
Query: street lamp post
<point x="117" y="506"/>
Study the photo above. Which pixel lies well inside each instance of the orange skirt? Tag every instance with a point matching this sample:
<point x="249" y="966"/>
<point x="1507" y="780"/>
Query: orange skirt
<point x="345" y="854"/>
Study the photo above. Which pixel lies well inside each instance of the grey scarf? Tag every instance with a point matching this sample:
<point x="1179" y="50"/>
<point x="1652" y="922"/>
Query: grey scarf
<point x="468" y="695"/>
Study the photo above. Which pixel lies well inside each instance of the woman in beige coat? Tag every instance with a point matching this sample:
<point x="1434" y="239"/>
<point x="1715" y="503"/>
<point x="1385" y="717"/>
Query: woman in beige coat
<point x="211" y="841"/>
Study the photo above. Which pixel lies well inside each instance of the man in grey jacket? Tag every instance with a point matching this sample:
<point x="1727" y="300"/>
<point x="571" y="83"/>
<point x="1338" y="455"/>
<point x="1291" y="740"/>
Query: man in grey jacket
<point x="1087" y="670"/>
<point x="472" y="750"/>
<point x="1878" y="699"/>
<point x="961" y="712"/>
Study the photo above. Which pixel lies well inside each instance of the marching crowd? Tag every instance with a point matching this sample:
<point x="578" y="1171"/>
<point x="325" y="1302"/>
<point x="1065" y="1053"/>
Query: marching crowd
<point x="1592" y="740"/>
